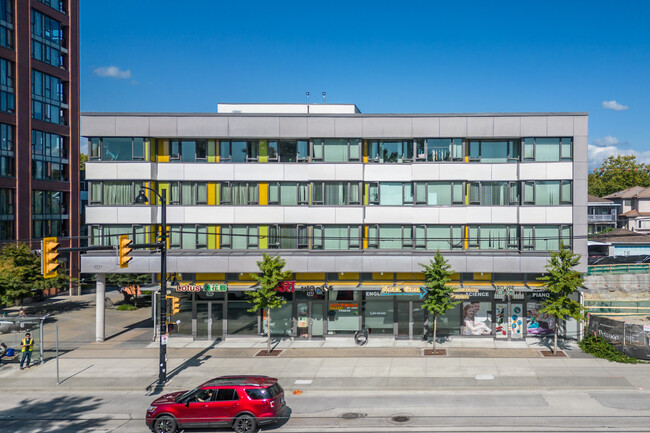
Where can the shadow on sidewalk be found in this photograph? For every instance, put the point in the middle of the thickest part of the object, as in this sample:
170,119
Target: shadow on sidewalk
195,361
48,415
142,324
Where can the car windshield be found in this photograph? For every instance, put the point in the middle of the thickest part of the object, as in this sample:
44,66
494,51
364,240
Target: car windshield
186,394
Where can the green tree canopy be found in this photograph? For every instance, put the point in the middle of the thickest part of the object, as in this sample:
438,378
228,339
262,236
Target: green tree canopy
438,300
562,281
617,173
266,296
20,274
82,161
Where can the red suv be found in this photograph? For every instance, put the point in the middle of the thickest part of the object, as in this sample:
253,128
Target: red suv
240,402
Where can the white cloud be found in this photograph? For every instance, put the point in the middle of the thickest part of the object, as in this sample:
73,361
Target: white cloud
606,141
112,72
611,146
613,105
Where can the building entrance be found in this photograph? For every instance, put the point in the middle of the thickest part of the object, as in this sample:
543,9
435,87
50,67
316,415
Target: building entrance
410,320
209,321
309,319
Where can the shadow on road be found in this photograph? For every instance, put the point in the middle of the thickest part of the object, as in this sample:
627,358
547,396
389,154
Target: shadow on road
60,414
142,324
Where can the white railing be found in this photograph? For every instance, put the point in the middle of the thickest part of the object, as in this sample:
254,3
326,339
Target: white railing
601,218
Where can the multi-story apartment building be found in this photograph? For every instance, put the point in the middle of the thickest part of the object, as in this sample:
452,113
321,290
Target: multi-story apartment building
635,208
39,121
602,214
353,202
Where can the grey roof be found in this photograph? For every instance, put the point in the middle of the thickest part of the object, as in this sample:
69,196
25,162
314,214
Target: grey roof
594,199
622,236
633,192
336,115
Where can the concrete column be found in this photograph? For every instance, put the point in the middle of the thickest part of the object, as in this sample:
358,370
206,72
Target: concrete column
100,322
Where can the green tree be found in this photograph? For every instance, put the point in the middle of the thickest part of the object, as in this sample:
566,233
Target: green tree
438,300
20,274
266,297
617,173
562,281
82,161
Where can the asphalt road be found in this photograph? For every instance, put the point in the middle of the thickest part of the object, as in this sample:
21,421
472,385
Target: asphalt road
475,411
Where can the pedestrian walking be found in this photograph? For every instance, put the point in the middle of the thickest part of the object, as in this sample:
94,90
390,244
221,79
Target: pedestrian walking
27,344
21,313
3,351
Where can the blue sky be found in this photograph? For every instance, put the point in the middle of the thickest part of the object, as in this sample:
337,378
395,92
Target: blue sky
386,57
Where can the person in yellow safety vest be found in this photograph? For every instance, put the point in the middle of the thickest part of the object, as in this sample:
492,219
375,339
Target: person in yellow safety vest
27,344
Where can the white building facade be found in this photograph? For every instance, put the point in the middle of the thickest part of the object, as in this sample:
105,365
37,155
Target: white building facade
353,202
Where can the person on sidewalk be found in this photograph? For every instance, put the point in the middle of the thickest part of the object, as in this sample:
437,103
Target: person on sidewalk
27,344
3,351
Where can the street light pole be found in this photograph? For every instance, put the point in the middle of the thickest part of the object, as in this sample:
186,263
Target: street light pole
141,199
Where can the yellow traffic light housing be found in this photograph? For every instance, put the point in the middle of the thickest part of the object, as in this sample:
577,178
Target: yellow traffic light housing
176,305
49,257
124,251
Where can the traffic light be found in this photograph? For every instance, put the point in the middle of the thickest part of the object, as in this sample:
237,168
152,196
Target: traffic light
176,305
125,250
49,257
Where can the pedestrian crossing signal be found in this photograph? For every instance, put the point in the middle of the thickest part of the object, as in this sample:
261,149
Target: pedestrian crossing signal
125,250
49,257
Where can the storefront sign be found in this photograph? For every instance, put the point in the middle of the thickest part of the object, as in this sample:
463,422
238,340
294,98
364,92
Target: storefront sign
469,292
290,286
207,287
403,290
213,287
188,288
540,295
501,291
344,306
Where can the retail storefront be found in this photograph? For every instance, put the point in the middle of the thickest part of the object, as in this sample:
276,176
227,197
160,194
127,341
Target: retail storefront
322,310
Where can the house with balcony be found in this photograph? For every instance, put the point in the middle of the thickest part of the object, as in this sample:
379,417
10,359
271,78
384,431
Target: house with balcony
602,214
634,208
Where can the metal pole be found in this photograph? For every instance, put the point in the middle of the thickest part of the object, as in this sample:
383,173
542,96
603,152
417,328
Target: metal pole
57,354
162,373
40,336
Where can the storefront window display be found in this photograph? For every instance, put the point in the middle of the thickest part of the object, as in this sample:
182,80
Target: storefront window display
476,318
378,314
343,312
538,323
281,317
240,320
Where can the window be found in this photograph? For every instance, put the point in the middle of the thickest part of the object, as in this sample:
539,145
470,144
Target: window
239,151
108,235
227,395
7,161
48,156
493,237
545,237
336,193
188,150
494,151
439,149
239,193
390,151
391,193
434,237
6,203
439,193
58,5
547,149
6,24
188,237
288,193
288,151
7,90
47,40
336,237
188,193
493,193
390,237
112,193
239,237
48,98
288,237
547,193
336,150
49,213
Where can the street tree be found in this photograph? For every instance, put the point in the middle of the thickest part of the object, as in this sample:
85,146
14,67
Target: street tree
20,274
266,297
562,281
439,297
618,173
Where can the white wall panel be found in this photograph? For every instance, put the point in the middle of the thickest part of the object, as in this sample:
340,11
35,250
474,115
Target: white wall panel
133,214
348,171
425,171
504,214
135,171
452,215
101,215
175,214
204,215
301,214
532,171
504,172
259,172
388,214
101,170
559,214
532,215
304,172
422,215
258,214
171,171
204,172
559,170
388,172
349,215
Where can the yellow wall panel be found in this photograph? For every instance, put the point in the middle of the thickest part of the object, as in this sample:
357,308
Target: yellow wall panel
212,237
210,277
365,237
263,237
212,195
212,151
482,276
264,193
218,237
349,276
310,276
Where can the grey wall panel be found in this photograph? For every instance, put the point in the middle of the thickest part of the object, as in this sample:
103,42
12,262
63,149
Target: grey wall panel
253,127
207,127
480,126
387,127
98,126
560,126
294,127
320,127
507,126
534,126
348,127
452,127
295,263
347,263
580,125
245,264
580,170
426,127
480,263
163,127
580,148
506,264
533,264
387,264
132,126
322,264
458,263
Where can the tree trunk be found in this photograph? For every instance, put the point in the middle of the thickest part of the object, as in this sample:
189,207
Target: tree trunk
435,328
268,331
555,337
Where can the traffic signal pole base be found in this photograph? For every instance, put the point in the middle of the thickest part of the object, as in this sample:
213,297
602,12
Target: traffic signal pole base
100,322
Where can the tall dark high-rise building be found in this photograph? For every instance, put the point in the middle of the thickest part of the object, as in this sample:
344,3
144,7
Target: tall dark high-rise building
39,121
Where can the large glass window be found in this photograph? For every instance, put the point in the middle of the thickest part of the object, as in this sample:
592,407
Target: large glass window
7,155
7,24
7,89
239,151
47,40
6,202
439,149
548,149
58,5
336,150
545,237
49,213
48,156
239,237
336,193
493,237
188,237
288,150
112,193
439,193
494,193
343,311
289,193
488,151
288,237
548,193
117,148
336,237
433,237
239,193
390,237
48,98
378,315
389,151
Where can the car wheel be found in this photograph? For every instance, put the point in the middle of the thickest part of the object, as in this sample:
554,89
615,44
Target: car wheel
245,424
164,424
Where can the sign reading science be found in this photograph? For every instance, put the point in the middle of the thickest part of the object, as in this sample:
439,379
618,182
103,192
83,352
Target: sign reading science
469,292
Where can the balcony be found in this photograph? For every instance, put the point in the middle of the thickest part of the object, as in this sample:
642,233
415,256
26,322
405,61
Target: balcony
601,218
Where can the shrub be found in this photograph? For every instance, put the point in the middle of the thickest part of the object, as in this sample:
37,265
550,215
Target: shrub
601,348
127,307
